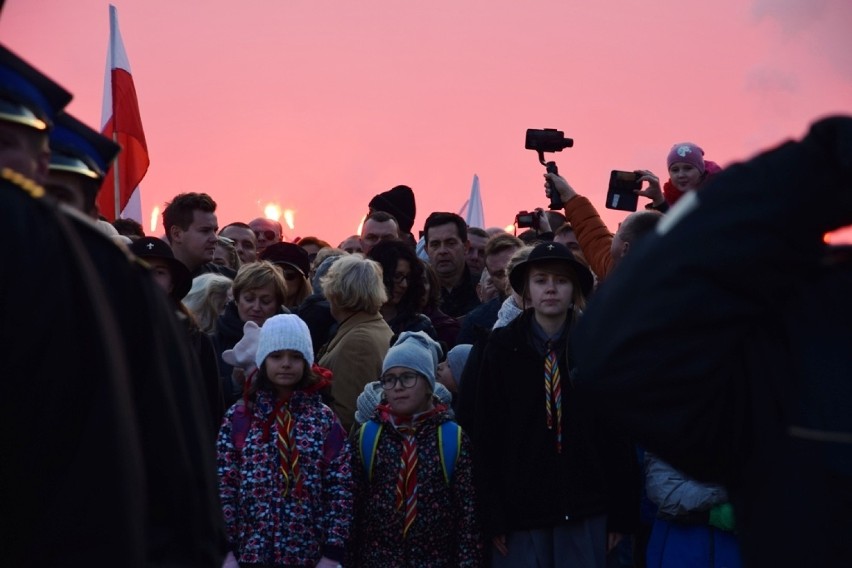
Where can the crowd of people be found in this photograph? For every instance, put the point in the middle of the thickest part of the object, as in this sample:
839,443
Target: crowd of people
565,397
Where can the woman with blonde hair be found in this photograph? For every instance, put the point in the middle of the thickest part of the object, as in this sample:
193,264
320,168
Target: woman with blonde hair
355,291
206,299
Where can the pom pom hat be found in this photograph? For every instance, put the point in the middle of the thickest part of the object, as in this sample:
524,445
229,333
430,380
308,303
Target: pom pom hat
284,331
417,351
688,153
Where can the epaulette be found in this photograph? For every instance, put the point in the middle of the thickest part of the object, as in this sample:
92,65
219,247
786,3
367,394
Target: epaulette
32,188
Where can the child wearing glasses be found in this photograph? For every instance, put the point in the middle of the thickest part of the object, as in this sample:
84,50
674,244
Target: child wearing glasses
414,498
283,460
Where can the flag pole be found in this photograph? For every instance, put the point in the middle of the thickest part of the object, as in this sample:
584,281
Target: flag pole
113,16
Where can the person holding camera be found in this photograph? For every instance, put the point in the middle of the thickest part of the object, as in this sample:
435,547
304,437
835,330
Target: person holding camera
601,248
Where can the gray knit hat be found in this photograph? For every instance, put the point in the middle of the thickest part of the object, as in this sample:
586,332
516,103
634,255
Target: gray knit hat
417,351
284,331
457,358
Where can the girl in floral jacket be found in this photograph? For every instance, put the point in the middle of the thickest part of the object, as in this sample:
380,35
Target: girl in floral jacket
284,461
414,490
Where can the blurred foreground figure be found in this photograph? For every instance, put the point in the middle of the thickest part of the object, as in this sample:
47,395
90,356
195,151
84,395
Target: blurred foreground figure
721,343
105,461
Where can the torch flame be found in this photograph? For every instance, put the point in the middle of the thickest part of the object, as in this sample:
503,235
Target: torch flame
272,211
289,216
155,215
360,225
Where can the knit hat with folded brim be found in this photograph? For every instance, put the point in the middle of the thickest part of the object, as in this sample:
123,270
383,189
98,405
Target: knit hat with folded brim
284,331
417,351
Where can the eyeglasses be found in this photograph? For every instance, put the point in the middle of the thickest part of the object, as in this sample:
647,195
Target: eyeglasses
406,380
268,235
399,277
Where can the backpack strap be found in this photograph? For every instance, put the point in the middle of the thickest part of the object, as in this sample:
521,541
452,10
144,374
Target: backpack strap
368,442
449,444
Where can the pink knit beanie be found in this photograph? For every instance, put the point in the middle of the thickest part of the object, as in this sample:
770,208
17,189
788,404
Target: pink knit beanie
686,152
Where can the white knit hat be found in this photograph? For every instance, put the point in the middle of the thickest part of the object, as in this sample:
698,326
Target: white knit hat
284,331
417,351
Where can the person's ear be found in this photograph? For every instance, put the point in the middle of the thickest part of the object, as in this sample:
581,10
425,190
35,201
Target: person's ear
175,234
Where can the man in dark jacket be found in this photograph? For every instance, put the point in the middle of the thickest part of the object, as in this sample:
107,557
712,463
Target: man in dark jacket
722,344
446,246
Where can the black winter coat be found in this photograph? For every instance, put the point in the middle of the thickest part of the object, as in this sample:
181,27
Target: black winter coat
524,483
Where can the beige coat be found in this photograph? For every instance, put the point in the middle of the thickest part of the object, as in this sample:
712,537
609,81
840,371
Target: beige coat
355,356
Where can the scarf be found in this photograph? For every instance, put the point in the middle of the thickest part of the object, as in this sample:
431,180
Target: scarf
406,484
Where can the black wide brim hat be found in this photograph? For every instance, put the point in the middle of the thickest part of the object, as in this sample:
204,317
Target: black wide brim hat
152,247
290,254
552,252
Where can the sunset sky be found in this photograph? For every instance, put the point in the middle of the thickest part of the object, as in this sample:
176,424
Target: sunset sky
319,105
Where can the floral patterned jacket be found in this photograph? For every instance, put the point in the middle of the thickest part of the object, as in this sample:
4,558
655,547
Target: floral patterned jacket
265,527
445,532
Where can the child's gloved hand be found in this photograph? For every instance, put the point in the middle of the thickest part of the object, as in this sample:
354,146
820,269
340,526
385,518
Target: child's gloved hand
722,517
242,355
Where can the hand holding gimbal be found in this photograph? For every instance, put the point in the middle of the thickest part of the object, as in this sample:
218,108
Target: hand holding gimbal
548,140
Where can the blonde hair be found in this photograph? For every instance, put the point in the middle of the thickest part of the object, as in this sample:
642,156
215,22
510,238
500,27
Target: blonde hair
257,275
354,283
202,298
304,288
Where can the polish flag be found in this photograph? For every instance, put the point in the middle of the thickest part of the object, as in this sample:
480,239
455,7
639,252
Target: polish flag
120,120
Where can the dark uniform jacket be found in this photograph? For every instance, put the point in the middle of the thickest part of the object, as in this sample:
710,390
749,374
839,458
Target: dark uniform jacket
105,450
722,344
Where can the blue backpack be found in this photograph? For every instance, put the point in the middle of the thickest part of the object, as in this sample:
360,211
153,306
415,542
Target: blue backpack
449,446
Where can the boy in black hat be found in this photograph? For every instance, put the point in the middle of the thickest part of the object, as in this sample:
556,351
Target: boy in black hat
558,488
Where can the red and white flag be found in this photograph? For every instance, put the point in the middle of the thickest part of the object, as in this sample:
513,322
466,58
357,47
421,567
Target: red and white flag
120,120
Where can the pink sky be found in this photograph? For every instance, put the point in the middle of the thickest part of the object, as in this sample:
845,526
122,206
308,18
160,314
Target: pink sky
320,105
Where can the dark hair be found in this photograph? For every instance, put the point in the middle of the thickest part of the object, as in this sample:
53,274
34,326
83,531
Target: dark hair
441,218
309,379
181,210
529,237
262,382
433,299
558,267
563,229
239,224
313,241
477,231
500,242
381,217
387,254
638,224
128,227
